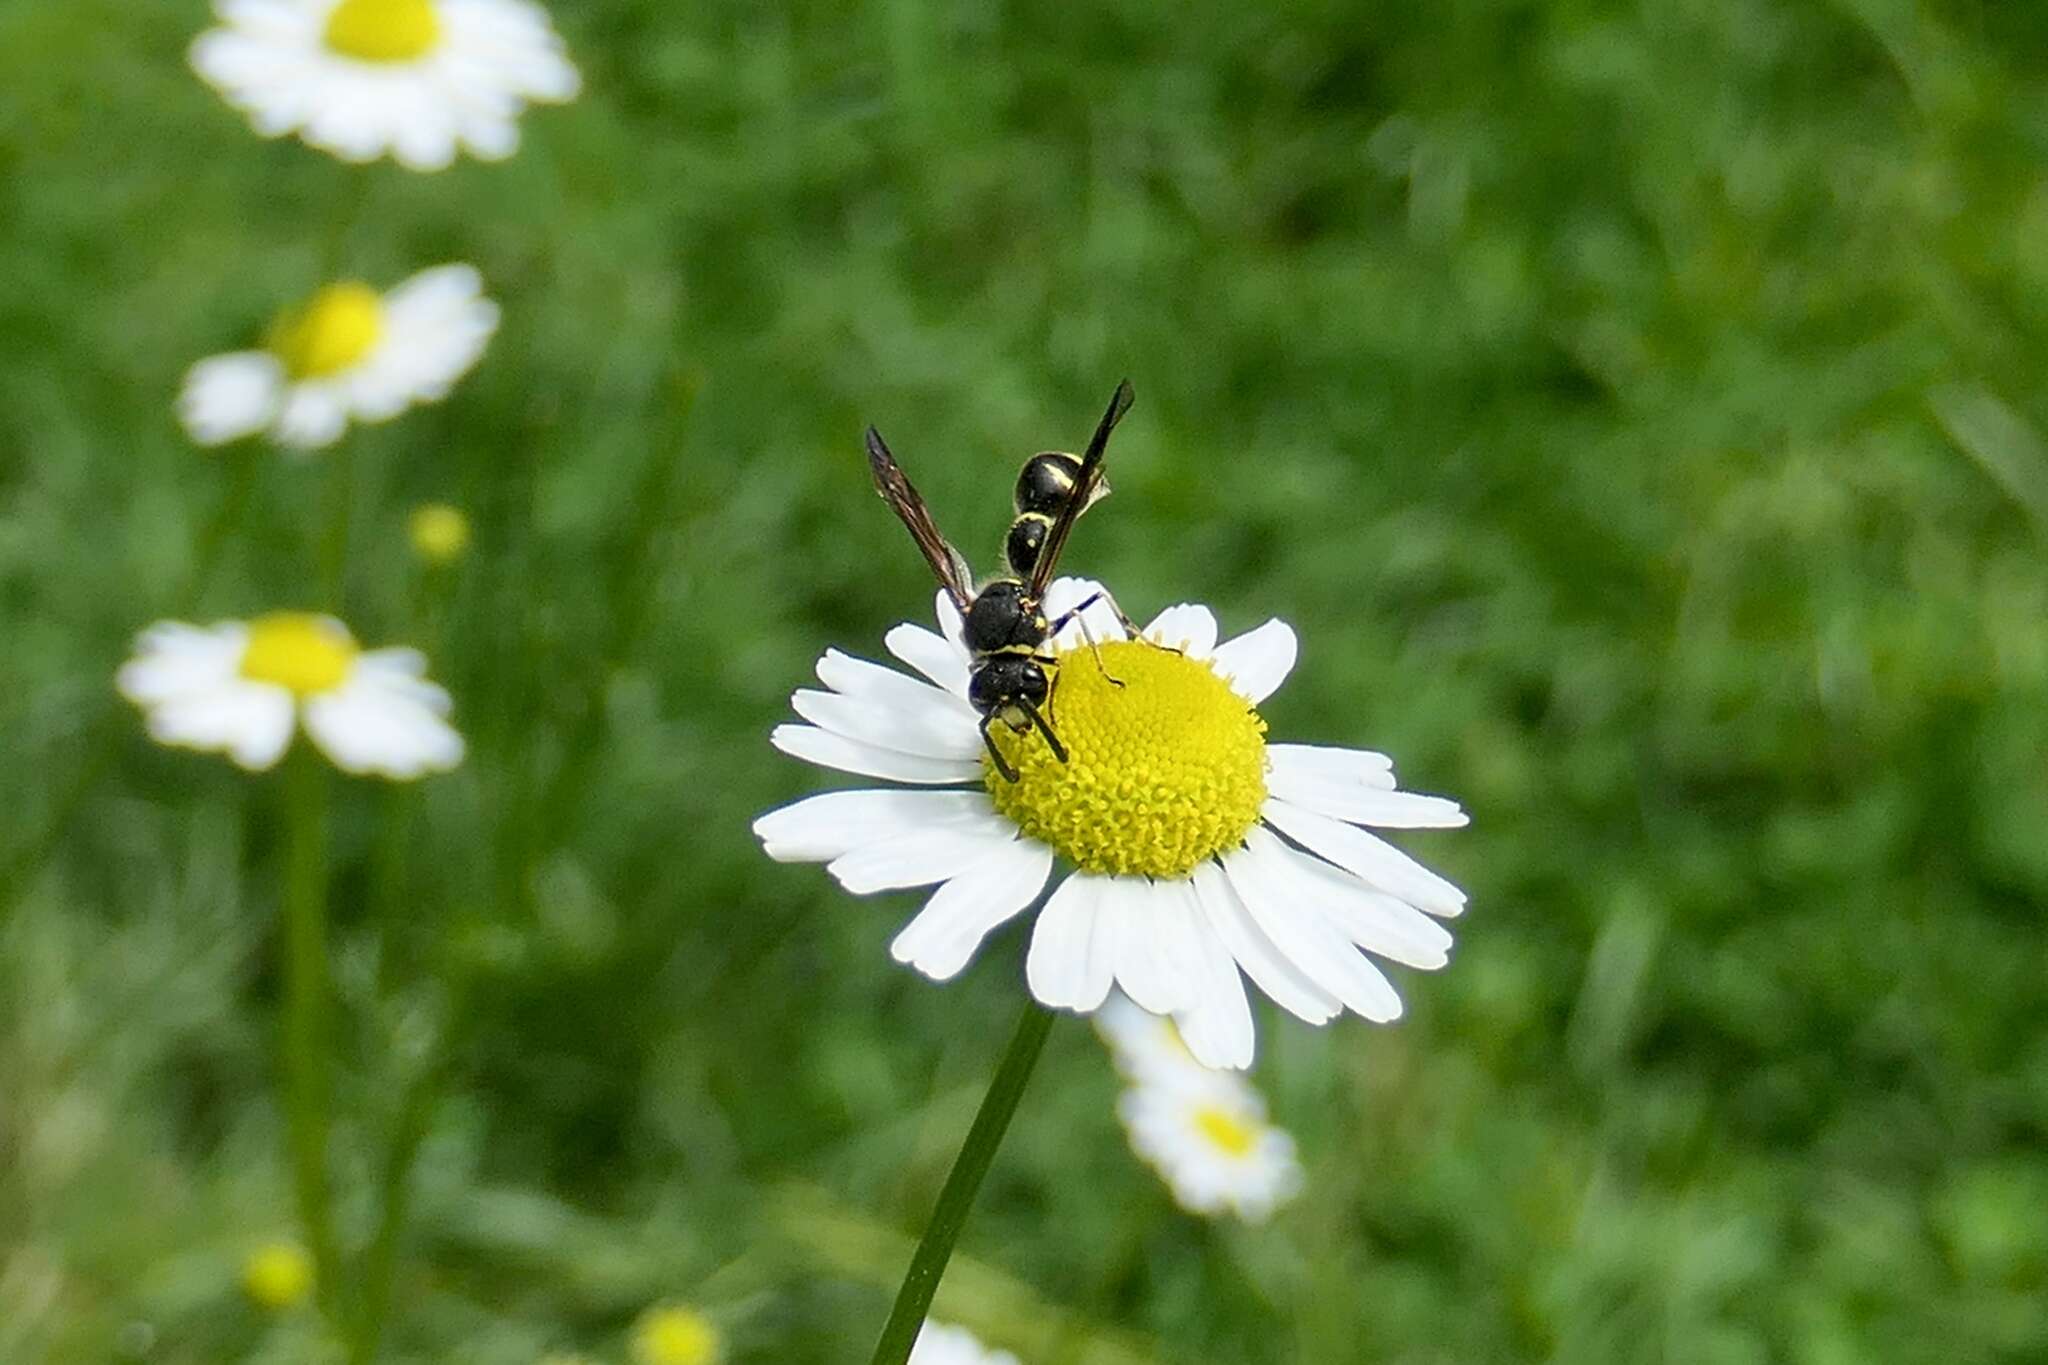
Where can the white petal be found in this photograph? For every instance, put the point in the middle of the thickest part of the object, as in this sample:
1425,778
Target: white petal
1061,970
1270,969
821,828
1368,856
928,731
1217,1027
227,397
173,659
944,936
384,721
1189,628
313,416
828,750
920,857
1373,920
1158,959
1358,804
951,624
1305,937
250,722
1257,662
1342,767
932,655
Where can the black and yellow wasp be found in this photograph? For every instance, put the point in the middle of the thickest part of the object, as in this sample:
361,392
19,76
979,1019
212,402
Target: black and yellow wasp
1006,628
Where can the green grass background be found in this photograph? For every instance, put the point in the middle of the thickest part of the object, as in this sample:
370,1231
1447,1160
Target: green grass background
1637,409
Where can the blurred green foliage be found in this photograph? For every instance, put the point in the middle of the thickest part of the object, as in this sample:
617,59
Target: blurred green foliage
1636,407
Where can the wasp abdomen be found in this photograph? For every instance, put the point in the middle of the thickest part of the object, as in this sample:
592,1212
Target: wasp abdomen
1046,480
1026,538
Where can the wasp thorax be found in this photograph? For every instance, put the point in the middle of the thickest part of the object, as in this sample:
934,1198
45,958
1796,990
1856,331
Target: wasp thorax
1000,619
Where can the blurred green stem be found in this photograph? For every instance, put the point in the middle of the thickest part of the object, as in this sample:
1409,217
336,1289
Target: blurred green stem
935,1248
394,1194
306,1081
334,535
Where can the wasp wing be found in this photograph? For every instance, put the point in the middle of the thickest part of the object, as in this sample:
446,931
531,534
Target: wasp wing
948,564
1088,482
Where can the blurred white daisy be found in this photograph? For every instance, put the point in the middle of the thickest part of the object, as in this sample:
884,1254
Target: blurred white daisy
241,688
1212,1146
939,1344
1199,849
418,79
347,352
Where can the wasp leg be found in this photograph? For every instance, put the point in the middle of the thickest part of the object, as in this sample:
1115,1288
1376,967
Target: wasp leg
996,755
1074,615
1052,741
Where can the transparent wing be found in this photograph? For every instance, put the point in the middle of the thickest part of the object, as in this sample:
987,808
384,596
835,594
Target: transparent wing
1083,492
948,564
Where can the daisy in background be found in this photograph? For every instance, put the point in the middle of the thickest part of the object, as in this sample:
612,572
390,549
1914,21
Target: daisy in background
1212,1145
414,79
1202,1129
347,352
939,1344
241,688
1200,850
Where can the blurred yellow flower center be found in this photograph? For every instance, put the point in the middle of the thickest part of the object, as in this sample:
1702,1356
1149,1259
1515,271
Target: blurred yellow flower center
675,1336
1161,773
299,651
383,30
1232,1134
332,331
439,533
278,1275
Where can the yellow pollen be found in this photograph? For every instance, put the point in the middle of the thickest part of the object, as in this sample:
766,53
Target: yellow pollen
330,332
383,30
278,1275
299,651
674,1336
1161,773
1233,1134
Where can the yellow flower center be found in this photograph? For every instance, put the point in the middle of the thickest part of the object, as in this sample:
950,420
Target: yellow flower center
383,30
1230,1133
330,332
675,1336
298,651
439,533
1161,773
278,1275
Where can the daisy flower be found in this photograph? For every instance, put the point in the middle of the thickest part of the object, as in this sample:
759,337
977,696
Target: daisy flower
241,688
418,79
1212,1146
1199,850
347,352
939,1344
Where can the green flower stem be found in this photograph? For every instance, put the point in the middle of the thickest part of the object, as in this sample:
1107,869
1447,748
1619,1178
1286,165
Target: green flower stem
306,1081
935,1248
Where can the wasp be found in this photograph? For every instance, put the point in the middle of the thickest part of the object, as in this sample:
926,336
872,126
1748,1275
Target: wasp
1005,627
